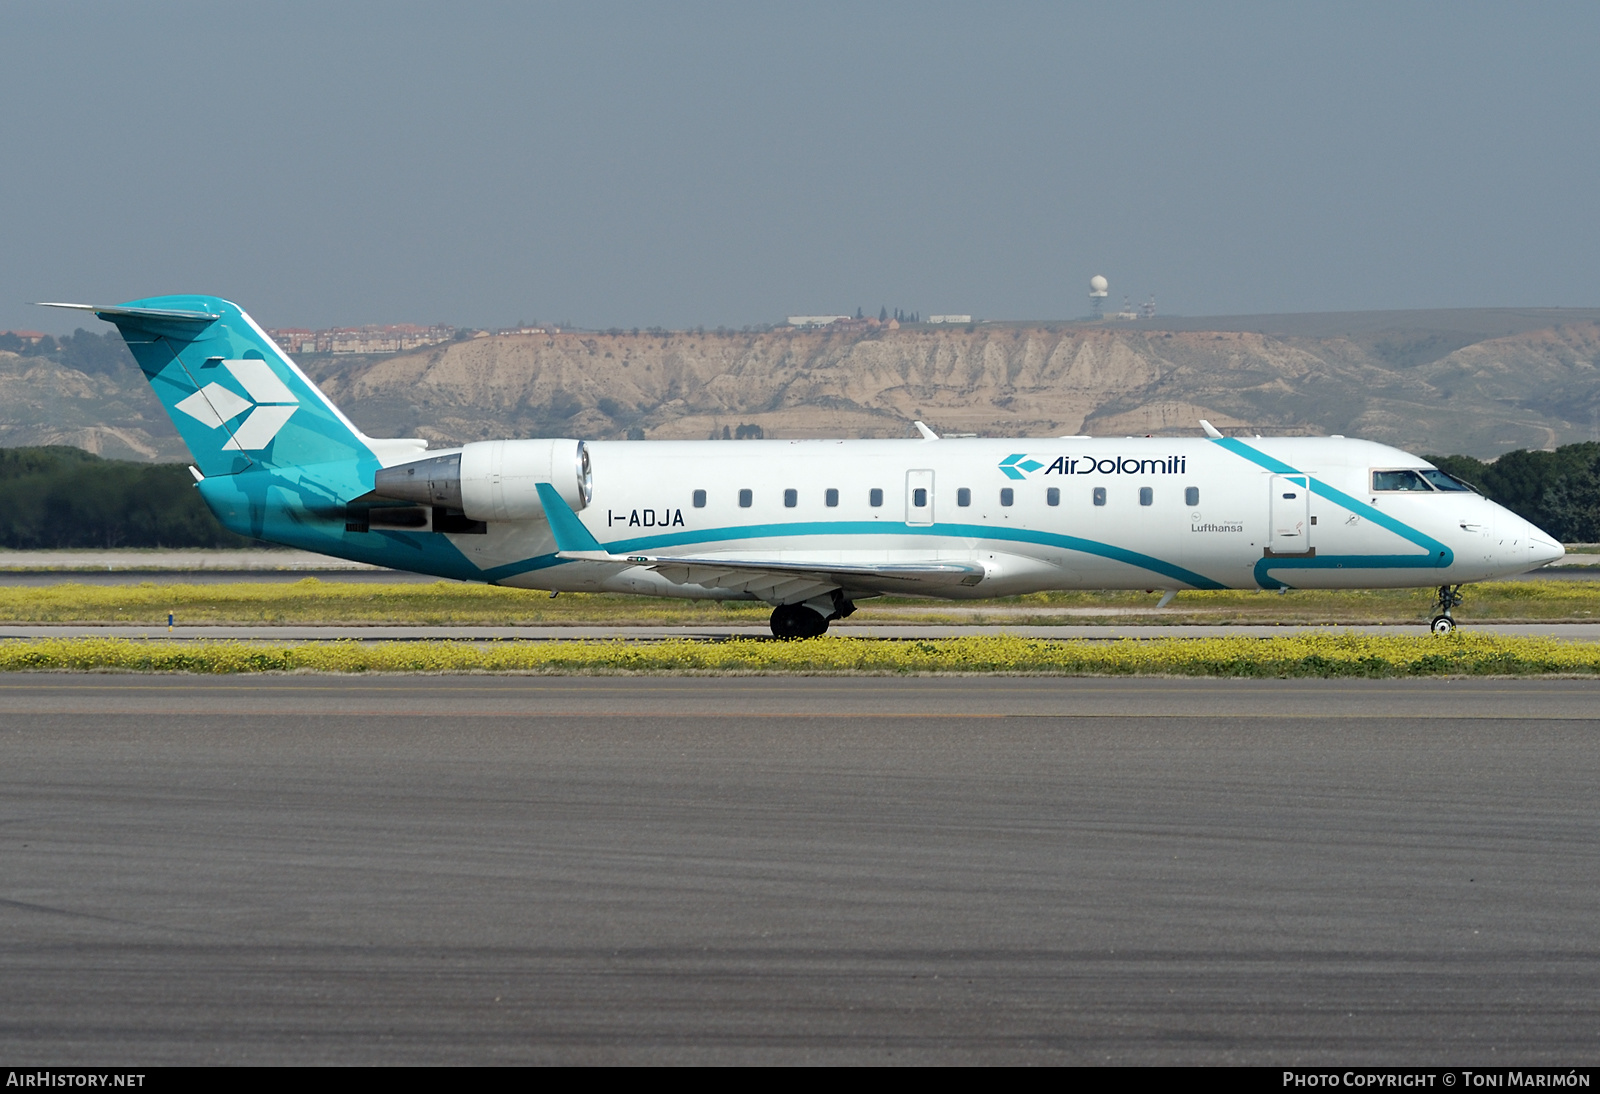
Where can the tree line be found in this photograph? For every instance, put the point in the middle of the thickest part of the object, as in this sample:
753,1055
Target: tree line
83,350
57,496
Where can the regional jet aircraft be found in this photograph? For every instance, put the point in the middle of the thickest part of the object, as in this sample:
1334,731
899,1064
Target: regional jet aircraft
809,527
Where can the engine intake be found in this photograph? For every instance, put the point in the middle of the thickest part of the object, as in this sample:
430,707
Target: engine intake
493,480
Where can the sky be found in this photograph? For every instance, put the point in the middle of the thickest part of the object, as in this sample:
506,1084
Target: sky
683,164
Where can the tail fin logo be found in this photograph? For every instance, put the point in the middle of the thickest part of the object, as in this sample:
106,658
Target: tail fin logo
271,405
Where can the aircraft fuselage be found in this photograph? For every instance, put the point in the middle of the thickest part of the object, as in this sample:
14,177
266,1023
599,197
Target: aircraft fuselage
1035,514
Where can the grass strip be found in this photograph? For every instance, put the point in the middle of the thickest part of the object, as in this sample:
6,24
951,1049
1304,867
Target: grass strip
1306,655
311,601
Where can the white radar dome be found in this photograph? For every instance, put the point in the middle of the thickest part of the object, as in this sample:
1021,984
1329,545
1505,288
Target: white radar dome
1098,284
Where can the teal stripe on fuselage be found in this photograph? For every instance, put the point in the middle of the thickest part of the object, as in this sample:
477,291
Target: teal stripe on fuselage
1439,555
879,529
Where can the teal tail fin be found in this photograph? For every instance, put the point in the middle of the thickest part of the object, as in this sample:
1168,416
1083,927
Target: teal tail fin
238,401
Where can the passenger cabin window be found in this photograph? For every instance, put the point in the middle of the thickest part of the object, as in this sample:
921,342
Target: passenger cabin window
1099,495
830,498
919,498
1146,495
1191,495
699,499
1398,480
875,497
963,497
791,498
1007,495
745,497
1052,496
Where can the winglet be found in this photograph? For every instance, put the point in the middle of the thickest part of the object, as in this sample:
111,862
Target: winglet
1211,431
569,531
927,434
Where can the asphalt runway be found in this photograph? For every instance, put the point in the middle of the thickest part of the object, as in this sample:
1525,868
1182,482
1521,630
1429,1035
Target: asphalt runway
299,869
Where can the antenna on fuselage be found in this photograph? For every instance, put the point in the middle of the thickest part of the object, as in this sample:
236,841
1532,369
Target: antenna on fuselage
1211,430
927,434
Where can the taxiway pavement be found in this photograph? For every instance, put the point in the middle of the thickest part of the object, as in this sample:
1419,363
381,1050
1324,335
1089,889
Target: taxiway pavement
492,869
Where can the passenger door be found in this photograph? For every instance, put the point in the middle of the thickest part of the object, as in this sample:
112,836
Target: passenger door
1291,515
919,497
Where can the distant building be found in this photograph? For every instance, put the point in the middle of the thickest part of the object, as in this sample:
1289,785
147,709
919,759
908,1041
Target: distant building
31,337
816,320
396,338
949,318
295,339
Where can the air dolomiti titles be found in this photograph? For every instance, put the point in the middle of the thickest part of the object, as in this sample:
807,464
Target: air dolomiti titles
1117,465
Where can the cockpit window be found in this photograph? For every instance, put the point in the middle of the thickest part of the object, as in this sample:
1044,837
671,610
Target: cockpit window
1443,480
1398,480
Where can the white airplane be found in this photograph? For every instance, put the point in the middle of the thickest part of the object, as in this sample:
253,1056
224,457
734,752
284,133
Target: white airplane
810,527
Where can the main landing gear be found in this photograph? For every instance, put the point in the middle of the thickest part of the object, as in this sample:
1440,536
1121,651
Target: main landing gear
1448,600
810,619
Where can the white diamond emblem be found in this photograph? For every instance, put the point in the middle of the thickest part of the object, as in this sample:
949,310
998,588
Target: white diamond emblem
213,405
271,405
260,381
259,429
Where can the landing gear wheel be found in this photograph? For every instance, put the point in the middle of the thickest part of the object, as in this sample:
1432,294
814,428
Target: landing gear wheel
1448,599
797,621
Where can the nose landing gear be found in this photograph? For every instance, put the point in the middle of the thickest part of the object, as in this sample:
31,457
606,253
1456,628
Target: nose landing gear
1448,600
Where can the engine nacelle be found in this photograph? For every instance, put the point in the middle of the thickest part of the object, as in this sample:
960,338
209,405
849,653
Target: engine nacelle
493,480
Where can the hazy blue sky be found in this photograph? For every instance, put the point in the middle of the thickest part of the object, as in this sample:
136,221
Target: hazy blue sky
683,164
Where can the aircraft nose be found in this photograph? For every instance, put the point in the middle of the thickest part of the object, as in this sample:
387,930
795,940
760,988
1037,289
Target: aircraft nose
1543,548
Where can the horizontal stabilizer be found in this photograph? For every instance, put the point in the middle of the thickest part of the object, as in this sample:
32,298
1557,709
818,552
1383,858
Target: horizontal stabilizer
170,315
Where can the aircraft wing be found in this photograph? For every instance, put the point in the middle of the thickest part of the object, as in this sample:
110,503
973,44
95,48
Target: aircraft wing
768,578
775,578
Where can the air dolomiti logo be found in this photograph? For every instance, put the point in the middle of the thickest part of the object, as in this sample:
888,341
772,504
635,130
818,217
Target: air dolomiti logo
1021,465
271,404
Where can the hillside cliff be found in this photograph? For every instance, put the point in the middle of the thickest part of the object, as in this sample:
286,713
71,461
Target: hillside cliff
1530,389
1422,387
